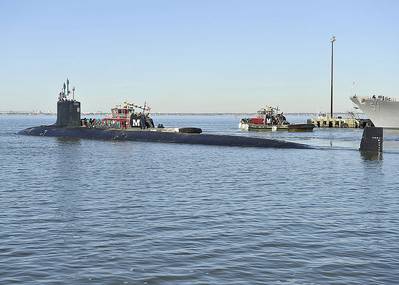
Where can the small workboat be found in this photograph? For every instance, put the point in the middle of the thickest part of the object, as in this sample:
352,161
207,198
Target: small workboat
270,119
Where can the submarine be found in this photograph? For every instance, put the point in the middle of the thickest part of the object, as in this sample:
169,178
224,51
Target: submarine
132,122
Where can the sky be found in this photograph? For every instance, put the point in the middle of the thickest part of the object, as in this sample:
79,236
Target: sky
197,56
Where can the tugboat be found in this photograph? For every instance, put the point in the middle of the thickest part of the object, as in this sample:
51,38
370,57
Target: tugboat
126,124
124,116
270,119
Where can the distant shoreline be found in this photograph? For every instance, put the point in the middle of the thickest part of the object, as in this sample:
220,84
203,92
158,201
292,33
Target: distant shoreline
154,114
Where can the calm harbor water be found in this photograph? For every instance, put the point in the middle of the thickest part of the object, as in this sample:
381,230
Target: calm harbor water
100,212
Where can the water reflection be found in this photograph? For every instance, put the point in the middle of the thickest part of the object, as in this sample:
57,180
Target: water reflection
371,155
63,140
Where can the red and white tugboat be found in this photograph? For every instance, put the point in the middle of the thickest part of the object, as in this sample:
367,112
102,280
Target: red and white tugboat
270,119
132,117
125,116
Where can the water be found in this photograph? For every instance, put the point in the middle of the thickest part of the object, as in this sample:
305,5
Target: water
100,212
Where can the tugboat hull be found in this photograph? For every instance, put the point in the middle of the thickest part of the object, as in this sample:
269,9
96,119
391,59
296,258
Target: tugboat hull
158,135
300,127
273,128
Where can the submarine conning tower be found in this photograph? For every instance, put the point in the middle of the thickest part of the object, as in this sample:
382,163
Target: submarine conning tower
68,110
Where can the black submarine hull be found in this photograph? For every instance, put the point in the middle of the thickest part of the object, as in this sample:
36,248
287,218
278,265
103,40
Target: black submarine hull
158,136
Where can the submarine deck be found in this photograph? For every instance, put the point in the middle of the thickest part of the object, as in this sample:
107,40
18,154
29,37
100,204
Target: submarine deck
167,135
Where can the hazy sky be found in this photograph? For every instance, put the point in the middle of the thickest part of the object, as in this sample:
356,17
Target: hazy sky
197,56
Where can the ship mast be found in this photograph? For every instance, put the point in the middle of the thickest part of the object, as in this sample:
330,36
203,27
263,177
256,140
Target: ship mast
63,92
67,87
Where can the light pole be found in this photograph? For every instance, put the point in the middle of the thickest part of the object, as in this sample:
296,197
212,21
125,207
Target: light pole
332,73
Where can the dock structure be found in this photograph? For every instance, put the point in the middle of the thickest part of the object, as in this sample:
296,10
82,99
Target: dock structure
329,120
339,122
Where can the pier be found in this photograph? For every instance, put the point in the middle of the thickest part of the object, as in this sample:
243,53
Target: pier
326,121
